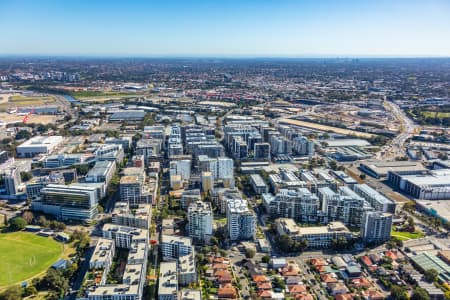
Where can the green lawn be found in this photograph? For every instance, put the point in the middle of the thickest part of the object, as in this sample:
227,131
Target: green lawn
433,114
404,236
24,255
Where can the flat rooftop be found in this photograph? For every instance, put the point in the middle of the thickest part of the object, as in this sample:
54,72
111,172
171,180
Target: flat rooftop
383,167
129,180
347,143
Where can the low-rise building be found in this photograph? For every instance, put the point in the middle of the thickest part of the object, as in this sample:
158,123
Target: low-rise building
317,236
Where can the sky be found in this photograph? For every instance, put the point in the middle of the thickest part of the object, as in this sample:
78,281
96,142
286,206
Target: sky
229,28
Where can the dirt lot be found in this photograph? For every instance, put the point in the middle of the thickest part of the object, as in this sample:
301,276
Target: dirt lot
40,119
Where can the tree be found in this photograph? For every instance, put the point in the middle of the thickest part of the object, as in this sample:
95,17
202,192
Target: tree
265,259
362,176
100,209
279,283
28,216
43,221
12,293
23,134
420,294
25,176
431,275
214,241
17,223
55,281
250,253
82,169
333,165
30,290
398,293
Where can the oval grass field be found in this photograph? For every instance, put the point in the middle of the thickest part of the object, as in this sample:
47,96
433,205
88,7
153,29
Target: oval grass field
24,255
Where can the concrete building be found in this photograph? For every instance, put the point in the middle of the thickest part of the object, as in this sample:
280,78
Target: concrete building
188,197
187,294
375,199
299,204
200,221
125,236
74,202
113,152
344,206
103,255
258,184
182,168
379,169
173,247
207,182
187,272
133,190
261,151
12,180
225,168
64,160
376,227
241,222
430,185
302,146
168,281
317,237
103,171
139,217
39,145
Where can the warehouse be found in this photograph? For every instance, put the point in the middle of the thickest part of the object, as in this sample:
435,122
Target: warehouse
38,144
127,115
380,169
431,185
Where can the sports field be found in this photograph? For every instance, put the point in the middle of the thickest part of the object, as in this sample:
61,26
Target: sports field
24,255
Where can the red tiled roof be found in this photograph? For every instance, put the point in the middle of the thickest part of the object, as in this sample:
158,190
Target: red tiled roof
296,289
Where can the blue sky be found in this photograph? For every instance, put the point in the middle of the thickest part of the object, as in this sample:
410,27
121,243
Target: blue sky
226,28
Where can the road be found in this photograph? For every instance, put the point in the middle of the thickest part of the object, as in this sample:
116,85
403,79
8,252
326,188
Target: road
407,129
82,271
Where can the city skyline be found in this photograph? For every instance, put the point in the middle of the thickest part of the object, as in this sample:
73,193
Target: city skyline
226,29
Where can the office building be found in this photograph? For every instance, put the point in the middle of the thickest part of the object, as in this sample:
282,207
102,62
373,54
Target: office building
112,152
103,171
74,202
200,221
376,227
12,180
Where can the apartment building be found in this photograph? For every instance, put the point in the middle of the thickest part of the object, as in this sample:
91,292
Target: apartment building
200,221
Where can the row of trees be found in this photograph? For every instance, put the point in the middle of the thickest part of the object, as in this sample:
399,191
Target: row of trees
287,244
27,218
